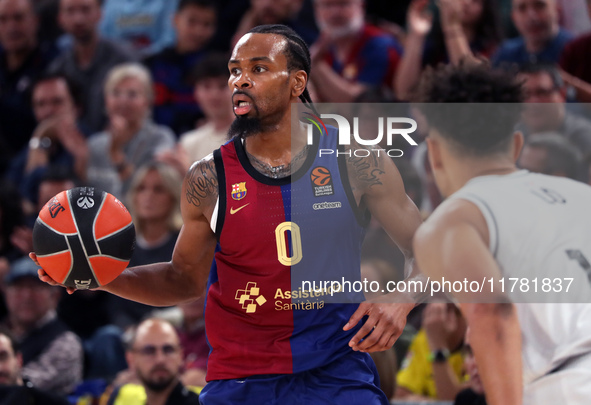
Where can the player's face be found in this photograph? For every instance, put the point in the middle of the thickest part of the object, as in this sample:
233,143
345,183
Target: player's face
259,79
535,20
156,357
153,201
18,25
214,96
52,98
28,300
9,363
80,18
128,99
194,27
339,18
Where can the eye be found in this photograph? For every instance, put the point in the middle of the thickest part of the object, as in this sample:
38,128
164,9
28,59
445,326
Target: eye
234,71
259,69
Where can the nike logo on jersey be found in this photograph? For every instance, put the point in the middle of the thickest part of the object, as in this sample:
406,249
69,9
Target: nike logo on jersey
234,211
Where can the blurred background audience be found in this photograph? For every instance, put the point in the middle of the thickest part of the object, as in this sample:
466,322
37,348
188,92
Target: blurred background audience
126,95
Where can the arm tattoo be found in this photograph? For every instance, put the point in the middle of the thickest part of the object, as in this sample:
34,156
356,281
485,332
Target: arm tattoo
366,171
202,183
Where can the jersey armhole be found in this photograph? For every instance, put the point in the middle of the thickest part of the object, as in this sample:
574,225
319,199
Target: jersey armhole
491,222
362,216
219,212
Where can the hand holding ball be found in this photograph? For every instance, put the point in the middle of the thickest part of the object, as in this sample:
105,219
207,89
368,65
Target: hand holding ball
83,238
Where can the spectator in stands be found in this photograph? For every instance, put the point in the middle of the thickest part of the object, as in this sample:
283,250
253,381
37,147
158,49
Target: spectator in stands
433,368
145,24
11,218
474,393
55,179
545,109
463,29
22,60
577,68
350,55
552,154
52,355
572,16
194,343
58,139
90,58
215,98
13,390
131,139
155,357
154,201
284,12
49,28
541,38
174,106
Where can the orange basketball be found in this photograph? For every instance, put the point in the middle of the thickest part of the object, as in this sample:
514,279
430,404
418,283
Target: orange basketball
83,237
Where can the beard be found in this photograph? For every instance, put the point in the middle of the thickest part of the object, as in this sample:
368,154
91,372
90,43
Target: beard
244,127
157,384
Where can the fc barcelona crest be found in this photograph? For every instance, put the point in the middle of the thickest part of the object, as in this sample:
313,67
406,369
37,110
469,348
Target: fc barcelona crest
239,190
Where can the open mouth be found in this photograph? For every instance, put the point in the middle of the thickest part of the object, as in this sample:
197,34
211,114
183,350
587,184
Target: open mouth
242,104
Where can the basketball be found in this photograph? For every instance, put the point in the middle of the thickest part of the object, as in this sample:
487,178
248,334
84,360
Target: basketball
83,238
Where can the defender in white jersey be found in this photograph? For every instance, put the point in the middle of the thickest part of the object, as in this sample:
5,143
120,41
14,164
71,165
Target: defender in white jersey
498,221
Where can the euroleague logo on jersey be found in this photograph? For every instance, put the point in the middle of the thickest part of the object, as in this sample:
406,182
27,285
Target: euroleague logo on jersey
321,181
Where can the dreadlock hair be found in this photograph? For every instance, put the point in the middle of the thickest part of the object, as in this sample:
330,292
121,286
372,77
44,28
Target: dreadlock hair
296,52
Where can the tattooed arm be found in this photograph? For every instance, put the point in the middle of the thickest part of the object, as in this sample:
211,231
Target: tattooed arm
185,277
377,185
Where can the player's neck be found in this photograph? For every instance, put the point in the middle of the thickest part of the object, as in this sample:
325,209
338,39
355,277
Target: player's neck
276,154
462,174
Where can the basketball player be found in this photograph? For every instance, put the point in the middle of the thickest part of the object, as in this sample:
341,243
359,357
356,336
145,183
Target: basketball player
499,221
270,342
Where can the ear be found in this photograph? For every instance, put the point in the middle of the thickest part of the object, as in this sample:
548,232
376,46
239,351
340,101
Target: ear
129,359
299,80
434,149
517,145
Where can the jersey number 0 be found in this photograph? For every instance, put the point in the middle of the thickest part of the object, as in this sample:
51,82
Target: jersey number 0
287,235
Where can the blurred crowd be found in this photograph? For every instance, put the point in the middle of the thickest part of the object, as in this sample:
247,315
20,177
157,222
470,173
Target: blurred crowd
125,95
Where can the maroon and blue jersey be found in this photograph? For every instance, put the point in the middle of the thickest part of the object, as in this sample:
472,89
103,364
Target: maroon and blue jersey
274,235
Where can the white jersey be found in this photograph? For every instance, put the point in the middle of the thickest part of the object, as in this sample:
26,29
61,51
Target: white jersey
540,227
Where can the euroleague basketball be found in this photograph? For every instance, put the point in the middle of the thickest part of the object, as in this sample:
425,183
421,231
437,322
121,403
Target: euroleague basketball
83,237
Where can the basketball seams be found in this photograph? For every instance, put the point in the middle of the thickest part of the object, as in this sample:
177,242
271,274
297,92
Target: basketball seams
111,257
70,250
80,238
53,229
55,253
98,213
112,233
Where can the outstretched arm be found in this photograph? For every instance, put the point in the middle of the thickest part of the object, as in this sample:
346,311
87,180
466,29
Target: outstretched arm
184,278
377,183
453,244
